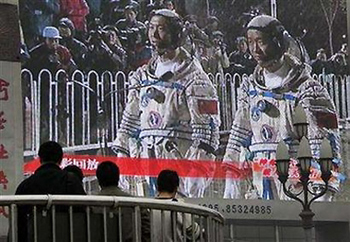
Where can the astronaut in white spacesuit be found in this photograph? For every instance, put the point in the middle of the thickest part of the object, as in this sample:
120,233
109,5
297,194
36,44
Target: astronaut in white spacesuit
172,109
267,101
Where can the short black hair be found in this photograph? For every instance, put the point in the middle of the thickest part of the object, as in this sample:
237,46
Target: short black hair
50,151
168,181
133,7
66,22
75,170
241,39
107,174
212,19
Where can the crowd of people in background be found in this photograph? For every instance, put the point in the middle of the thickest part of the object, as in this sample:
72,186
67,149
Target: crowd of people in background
82,34
336,64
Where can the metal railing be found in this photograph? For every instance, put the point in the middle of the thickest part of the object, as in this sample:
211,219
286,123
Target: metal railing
99,218
227,87
339,89
83,111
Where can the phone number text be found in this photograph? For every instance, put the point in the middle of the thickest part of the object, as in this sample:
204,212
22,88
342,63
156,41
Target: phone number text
240,209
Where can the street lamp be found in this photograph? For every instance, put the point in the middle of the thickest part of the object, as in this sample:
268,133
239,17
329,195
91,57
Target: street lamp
273,5
304,158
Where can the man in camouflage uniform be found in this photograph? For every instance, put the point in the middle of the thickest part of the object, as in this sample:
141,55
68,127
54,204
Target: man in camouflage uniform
172,108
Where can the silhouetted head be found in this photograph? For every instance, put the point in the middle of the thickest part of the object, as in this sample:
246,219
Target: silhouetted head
168,181
107,174
75,170
50,151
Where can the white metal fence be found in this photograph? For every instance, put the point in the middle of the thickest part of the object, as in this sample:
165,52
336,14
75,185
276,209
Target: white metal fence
339,89
83,111
102,218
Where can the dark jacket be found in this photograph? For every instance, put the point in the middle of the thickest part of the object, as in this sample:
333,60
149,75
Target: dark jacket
242,63
41,57
127,216
78,50
320,66
47,179
50,179
113,58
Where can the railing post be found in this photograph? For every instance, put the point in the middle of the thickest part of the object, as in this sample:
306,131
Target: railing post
53,210
209,235
88,224
13,223
71,225
137,224
35,221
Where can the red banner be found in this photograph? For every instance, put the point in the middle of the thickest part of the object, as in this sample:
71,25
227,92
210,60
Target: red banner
138,166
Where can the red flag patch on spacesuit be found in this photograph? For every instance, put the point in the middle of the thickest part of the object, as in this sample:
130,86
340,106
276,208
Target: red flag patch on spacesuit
207,106
326,120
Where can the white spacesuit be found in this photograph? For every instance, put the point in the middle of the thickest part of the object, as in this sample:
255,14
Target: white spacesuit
265,117
173,112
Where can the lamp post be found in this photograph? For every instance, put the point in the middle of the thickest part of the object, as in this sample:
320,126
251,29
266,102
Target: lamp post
348,25
304,158
273,5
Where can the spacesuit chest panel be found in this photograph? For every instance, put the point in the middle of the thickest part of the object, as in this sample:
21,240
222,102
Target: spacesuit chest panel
271,116
162,104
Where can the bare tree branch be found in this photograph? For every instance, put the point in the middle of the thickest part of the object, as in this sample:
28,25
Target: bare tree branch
324,9
330,11
335,10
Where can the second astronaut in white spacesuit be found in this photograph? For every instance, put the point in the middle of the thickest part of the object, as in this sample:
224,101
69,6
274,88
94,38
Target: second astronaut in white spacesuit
267,102
172,108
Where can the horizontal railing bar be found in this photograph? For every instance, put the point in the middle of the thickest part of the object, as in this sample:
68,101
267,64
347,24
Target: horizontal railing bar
71,148
108,201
